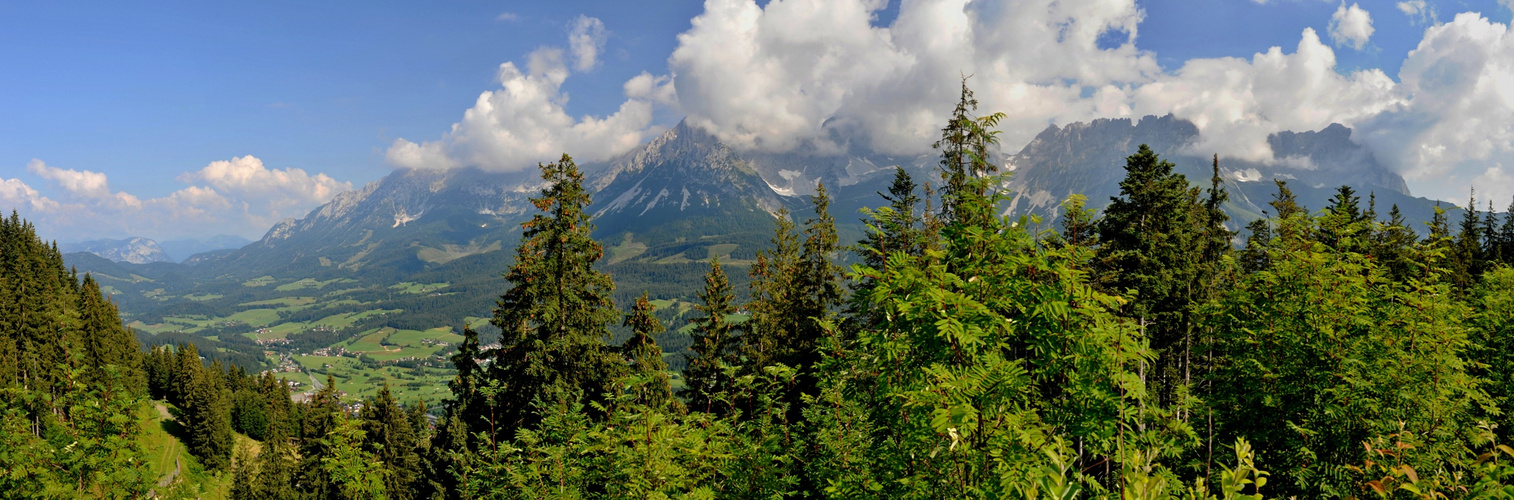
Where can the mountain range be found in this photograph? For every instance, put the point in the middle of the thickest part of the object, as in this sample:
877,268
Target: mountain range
665,208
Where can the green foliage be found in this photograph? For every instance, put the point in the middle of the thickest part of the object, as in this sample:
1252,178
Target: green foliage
1321,352
644,356
1150,250
555,317
709,375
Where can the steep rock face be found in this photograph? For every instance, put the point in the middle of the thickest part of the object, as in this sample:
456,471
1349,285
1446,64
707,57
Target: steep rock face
683,170
1089,158
408,220
134,250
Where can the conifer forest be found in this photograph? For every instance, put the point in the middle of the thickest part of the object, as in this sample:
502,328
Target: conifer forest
1146,351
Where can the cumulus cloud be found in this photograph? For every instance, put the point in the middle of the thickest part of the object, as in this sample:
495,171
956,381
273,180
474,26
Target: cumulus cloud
525,121
1459,112
246,177
827,77
507,16
814,74
239,196
83,184
586,38
1418,11
1237,103
1351,26
15,194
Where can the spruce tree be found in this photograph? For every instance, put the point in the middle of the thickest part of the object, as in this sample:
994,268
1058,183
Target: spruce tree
207,415
555,317
1147,250
390,438
964,146
1466,261
1395,246
644,356
773,303
321,418
1492,246
1506,235
708,385
895,228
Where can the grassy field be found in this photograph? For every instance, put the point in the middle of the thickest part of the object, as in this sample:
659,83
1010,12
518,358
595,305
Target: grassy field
167,456
418,288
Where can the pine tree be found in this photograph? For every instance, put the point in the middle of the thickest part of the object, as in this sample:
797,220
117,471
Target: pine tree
321,418
105,341
207,414
895,228
1395,247
773,303
1343,217
1147,250
555,318
644,356
1506,235
708,384
389,437
964,145
1466,250
1492,246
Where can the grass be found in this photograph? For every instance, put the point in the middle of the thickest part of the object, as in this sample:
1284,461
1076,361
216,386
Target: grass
722,250
165,452
418,288
628,248
202,297
256,317
259,281
449,253
310,283
283,301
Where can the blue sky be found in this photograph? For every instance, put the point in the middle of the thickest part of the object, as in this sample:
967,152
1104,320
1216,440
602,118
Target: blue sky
186,118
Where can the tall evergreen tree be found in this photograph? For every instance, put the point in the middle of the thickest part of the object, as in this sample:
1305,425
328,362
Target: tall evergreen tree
105,341
1492,245
1147,250
321,418
1506,234
773,301
555,318
644,356
707,376
389,437
1466,250
1395,244
895,228
207,414
964,146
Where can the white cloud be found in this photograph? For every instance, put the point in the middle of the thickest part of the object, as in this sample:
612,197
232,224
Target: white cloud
586,38
507,16
239,196
525,121
1418,11
811,74
826,77
1237,103
1351,26
246,178
83,184
16,195
1459,115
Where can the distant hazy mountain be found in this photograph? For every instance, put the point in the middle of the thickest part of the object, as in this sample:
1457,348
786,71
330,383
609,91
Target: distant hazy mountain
134,250
182,249
1089,159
